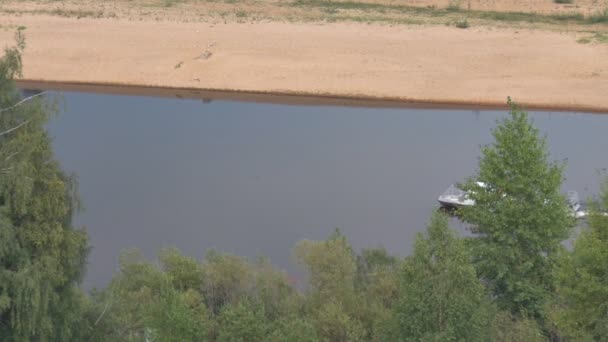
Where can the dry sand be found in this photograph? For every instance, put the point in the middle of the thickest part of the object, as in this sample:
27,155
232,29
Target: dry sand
434,64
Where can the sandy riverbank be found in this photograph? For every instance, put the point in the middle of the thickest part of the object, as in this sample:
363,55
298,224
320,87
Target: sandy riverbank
477,66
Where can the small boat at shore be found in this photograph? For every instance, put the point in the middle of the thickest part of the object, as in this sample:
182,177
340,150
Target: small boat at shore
454,198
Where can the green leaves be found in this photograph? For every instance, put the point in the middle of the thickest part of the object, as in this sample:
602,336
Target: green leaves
185,272
335,324
242,323
223,297
177,317
293,329
580,309
520,216
331,269
42,256
507,327
441,298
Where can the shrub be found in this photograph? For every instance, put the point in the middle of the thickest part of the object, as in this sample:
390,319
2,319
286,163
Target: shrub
462,23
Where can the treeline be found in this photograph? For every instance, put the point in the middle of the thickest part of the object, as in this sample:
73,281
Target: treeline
512,280
436,294
370,296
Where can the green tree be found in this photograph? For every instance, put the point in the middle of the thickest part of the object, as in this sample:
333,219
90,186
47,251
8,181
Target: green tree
506,327
124,304
331,269
581,308
441,298
293,329
145,302
331,299
520,217
376,275
336,325
185,272
377,288
242,322
176,317
272,291
228,279
42,256
169,301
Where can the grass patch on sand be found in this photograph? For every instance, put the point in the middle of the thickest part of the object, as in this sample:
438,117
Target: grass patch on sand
597,37
456,13
454,8
170,3
598,17
60,12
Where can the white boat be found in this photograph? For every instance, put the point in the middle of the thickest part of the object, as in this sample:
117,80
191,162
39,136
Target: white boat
454,198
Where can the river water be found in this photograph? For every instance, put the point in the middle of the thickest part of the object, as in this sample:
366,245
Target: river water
253,179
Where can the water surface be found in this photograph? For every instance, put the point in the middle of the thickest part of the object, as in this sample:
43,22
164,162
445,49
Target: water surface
253,179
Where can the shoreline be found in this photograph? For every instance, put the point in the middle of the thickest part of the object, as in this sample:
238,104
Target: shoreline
290,98
318,63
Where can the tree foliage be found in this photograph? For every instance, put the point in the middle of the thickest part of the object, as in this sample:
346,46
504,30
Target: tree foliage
331,269
335,324
506,327
520,217
147,302
377,288
42,256
242,323
441,298
224,298
293,329
580,310
228,298
333,300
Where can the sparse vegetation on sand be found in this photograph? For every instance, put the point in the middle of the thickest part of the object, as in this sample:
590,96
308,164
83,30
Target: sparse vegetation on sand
594,38
536,14
454,8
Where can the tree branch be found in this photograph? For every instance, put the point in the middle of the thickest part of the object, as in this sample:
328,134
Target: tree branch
21,102
11,156
102,313
15,128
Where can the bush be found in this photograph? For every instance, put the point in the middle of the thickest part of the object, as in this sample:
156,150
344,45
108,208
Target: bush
462,23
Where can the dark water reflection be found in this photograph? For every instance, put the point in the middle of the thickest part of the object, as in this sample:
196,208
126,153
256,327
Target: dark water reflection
253,179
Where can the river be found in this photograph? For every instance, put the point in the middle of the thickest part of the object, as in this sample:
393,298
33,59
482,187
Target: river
253,179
